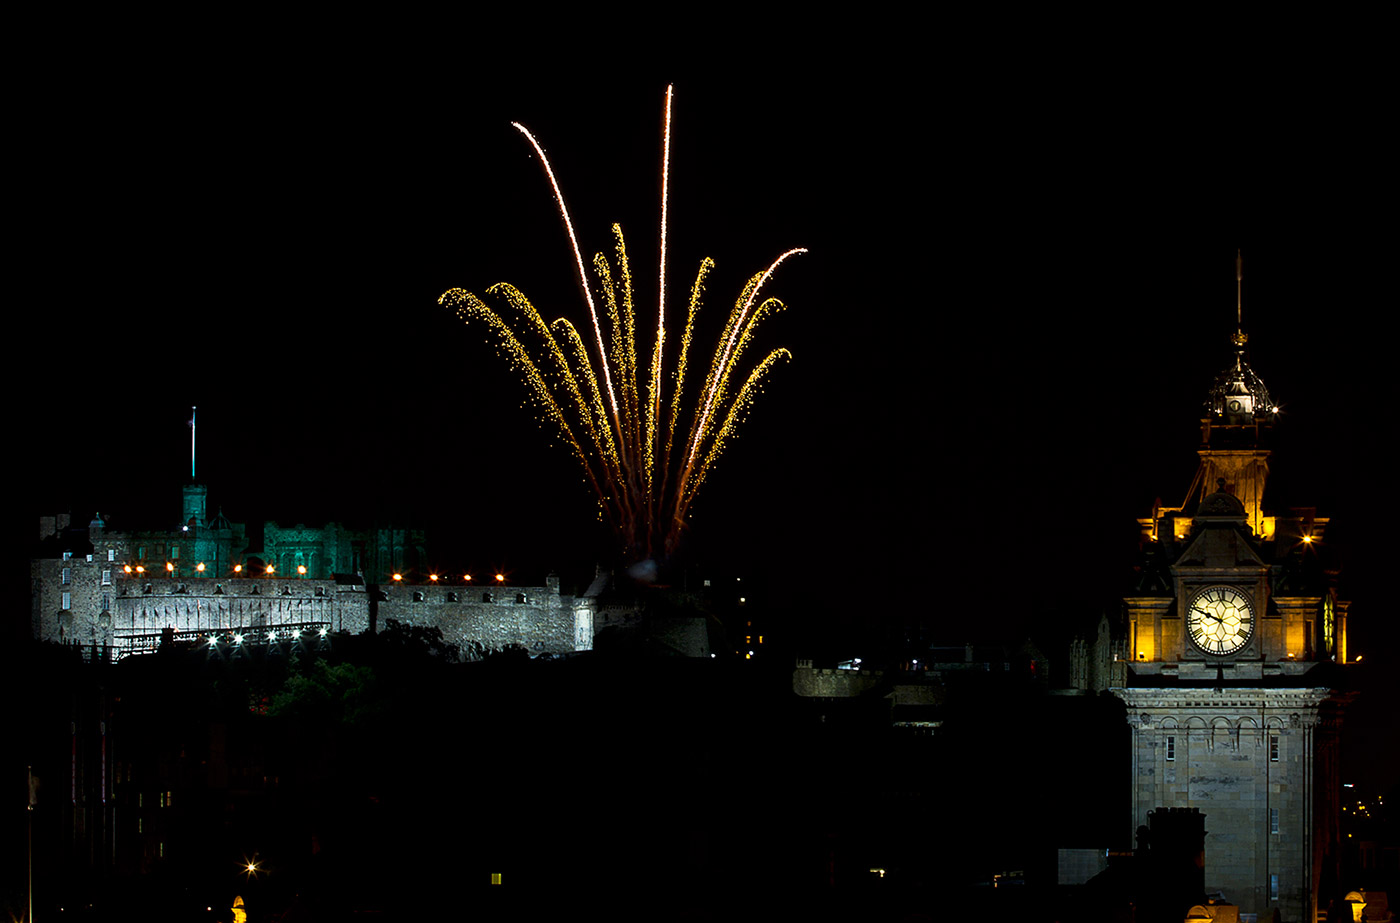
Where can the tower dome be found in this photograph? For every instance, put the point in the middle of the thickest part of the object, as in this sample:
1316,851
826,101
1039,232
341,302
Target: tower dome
1238,395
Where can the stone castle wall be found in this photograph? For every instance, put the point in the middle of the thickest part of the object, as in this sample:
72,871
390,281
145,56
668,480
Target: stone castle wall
95,604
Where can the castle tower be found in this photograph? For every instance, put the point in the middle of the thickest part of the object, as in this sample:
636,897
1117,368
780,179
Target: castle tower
194,507
1233,644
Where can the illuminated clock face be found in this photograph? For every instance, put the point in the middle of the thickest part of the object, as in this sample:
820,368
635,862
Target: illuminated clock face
1220,620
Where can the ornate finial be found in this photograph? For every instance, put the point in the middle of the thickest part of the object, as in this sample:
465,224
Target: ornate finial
1238,395
1240,338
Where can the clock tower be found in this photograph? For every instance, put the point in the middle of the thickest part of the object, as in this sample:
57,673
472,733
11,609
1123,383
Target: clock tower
1235,635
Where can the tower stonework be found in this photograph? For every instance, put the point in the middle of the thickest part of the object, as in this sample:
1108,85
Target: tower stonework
1235,638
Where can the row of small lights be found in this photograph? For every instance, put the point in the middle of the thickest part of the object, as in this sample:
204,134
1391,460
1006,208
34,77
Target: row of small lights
301,570
271,636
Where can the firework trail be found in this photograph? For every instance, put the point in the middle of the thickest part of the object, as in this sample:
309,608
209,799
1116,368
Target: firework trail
616,426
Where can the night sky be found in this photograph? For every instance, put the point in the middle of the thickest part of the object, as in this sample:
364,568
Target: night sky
1020,285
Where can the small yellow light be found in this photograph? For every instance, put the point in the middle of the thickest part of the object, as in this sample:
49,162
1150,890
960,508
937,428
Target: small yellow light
199,567
169,568
127,568
301,569
238,568
271,569
433,577
398,577
500,578
1307,539
140,569
467,578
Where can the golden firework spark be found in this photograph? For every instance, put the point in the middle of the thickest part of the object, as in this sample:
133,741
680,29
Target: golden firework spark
616,425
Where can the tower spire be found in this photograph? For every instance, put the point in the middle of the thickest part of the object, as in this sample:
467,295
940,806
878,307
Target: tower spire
1238,396
1240,337
192,429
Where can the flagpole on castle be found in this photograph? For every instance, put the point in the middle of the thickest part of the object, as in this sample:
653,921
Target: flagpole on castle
192,417
29,814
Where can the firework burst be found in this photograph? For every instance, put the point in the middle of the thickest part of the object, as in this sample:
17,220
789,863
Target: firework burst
610,401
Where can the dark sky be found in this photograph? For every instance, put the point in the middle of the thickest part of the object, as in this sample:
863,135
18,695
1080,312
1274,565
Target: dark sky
1020,284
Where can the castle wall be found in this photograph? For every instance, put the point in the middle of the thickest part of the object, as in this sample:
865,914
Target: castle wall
537,618
835,684
107,608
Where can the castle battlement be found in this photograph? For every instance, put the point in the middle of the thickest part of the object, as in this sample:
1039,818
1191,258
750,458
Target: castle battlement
117,591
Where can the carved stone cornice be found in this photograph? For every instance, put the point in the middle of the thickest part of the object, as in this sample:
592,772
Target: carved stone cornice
1208,701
